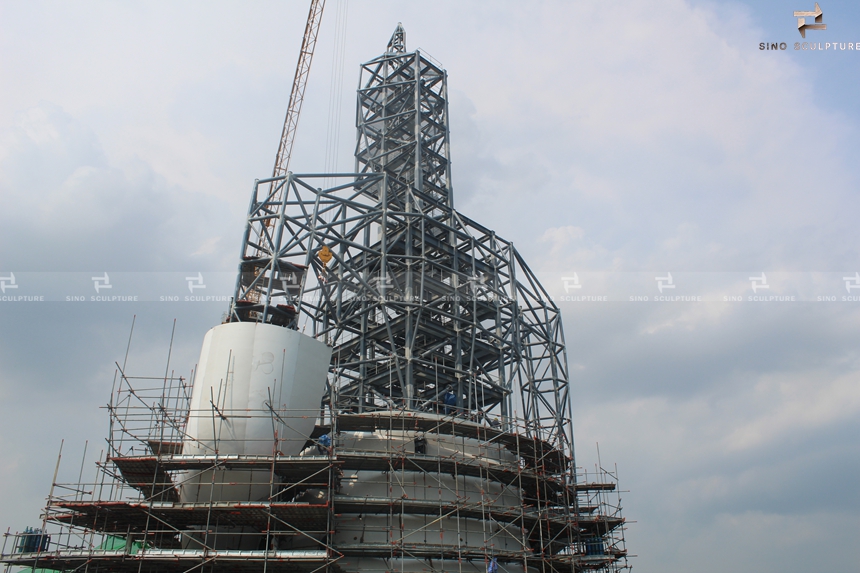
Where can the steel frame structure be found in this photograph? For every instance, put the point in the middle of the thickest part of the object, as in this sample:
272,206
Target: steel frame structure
419,303
417,297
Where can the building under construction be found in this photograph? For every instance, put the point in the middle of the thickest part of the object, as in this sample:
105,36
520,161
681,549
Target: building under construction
388,391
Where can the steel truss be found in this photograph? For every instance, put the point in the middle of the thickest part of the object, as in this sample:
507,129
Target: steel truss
416,297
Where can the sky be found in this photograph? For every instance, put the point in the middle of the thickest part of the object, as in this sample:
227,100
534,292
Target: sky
702,192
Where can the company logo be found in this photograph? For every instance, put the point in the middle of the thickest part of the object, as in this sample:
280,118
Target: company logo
804,23
571,282
478,284
802,26
290,282
101,282
759,282
664,282
192,280
848,280
10,284
381,283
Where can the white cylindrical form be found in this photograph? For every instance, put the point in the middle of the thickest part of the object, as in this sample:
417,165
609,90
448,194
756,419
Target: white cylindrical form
257,391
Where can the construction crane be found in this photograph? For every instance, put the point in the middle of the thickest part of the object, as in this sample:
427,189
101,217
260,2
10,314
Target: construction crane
263,229
297,95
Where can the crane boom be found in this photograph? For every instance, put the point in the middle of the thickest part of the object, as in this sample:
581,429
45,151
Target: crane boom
297,95
261,231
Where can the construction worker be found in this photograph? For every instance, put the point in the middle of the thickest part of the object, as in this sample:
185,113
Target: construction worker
449,399
420,444
324,444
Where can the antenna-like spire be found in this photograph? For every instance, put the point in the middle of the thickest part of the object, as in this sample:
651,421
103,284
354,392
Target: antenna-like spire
397,43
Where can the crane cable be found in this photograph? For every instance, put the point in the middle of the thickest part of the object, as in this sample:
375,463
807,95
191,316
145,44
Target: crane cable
335,102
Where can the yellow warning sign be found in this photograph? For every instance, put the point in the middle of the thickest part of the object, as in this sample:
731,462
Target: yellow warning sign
325,254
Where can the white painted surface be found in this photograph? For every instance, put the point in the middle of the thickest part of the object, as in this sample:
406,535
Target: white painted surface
241,365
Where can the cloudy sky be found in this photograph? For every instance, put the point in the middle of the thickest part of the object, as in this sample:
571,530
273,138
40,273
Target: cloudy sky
620,141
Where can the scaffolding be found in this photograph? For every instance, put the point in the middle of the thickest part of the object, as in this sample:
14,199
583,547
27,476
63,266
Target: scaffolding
443,441
438,492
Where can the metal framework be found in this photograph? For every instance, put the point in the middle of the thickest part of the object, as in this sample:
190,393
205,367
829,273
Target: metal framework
483,498
416,297
294,110
444,441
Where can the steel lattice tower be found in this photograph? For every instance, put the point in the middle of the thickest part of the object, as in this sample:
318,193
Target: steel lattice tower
416,297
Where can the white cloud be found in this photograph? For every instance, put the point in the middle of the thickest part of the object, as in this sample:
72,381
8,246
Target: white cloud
69,199
646,121
788,403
